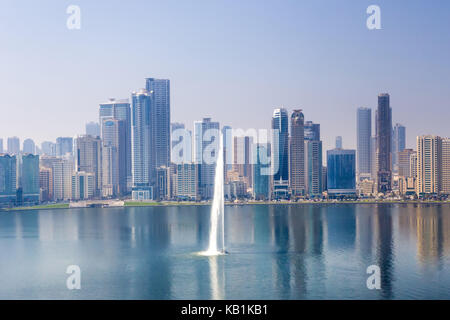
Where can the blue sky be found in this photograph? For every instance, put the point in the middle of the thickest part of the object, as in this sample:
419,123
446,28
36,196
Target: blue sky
232,60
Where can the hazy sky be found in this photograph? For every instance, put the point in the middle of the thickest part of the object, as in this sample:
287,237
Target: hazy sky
232,60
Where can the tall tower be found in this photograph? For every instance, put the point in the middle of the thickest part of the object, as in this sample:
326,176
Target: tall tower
446,166
88,158
143,163
429,164
297,150
160,91
206,142
120,110
398,143
114,166
384,132
363,137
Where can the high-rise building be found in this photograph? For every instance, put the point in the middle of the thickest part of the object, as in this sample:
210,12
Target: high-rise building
338,142
48,148
312,131
384,132
30,178
83,185
13,145
280,153
227,133
261,171
187,186
297,154
313,159
413,165
114,158
93,129
62,170
64,145
242,151
46,183
341,173
1,145
206,142
88,158
445,188
373,160
364,142
313,167
398,143
144,169
160,91
29,146
429,164
404,162
120,110
8,180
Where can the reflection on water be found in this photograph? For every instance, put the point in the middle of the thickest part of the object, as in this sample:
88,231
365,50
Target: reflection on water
276,252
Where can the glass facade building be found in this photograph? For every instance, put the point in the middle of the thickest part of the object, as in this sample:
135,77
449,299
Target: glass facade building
8,179
30,179
341,172
142,155
261,171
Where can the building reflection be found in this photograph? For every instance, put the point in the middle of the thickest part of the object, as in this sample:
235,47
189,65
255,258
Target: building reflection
385,249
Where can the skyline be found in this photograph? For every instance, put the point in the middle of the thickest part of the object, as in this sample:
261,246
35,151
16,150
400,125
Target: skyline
264,68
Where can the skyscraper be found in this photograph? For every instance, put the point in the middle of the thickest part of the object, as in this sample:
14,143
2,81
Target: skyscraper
404,162
8,180
227,150
120,110
64,145
363,144
445,188
30,178
88,158
206,142
187,186
29,146
280,152
62,170
93,129
313,159
297,154
312,131
142,146
261,171
313,167
399,143
384,131
341,173
114,158
13,145
429,164
160,91
243,158
1,145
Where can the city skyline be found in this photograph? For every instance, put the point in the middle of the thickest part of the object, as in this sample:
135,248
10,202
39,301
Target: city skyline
303,61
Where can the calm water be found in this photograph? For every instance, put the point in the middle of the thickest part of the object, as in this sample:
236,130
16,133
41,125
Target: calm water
276,252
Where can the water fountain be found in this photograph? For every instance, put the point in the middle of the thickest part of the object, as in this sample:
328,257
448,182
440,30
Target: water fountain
216,245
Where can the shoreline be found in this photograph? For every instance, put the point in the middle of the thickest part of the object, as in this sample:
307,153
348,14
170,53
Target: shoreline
132,204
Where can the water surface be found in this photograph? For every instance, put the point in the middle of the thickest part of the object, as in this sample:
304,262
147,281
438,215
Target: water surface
311,251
